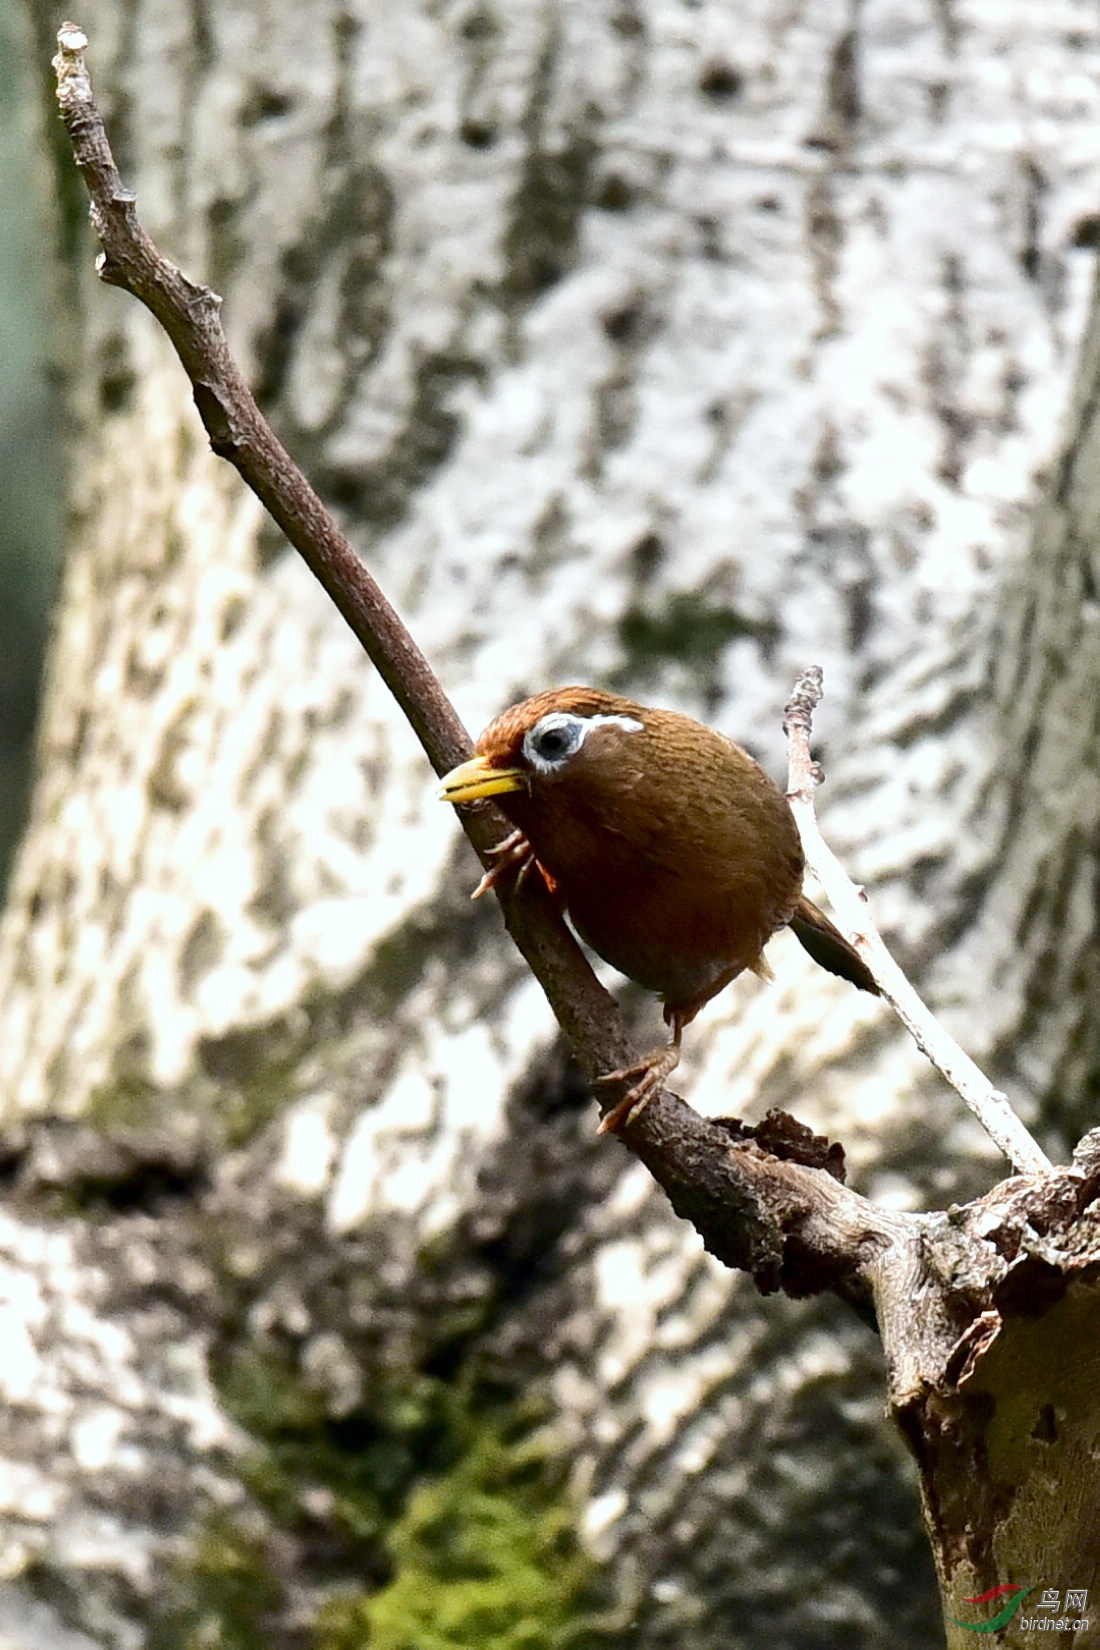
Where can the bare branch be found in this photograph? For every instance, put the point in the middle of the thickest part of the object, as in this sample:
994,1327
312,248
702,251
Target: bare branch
238,431
988,1104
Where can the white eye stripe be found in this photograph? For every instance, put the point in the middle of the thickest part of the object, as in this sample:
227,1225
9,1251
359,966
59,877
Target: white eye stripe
629,723
560,734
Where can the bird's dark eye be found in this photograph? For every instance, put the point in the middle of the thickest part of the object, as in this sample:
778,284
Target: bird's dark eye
553,740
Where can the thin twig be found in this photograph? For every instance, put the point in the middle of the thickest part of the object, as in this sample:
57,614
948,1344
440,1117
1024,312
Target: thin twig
849,902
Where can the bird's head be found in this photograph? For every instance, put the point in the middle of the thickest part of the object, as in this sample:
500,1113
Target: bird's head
564,737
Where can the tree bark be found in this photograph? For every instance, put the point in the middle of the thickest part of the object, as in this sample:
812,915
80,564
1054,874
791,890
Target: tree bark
665,349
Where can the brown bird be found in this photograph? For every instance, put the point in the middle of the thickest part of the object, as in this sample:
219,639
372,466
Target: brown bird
675,855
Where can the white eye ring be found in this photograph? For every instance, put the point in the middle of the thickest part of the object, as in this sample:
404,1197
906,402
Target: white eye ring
560,734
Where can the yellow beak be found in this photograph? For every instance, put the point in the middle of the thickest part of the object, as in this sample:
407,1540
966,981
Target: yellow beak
477,778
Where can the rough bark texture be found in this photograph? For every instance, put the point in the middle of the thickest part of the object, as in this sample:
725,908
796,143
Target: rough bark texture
665,346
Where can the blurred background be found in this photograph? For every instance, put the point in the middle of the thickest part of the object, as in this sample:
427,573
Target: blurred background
30,451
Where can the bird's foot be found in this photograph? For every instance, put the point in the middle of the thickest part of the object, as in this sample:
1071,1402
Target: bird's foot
515,850
649,1073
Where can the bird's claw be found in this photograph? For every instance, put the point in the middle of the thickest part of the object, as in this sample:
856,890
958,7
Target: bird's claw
514,850
650,1072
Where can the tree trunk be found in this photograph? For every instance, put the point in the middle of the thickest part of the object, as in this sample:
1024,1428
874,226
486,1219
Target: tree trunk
656,346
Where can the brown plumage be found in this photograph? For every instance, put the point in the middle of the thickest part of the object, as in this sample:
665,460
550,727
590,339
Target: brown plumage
675,855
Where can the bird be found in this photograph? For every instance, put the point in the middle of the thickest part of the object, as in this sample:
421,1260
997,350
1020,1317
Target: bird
674,854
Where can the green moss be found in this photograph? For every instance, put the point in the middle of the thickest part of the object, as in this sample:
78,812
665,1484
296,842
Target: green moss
483,1556
486,1557
448,1488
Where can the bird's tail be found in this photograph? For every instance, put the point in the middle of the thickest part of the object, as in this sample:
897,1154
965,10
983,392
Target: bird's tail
828,947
